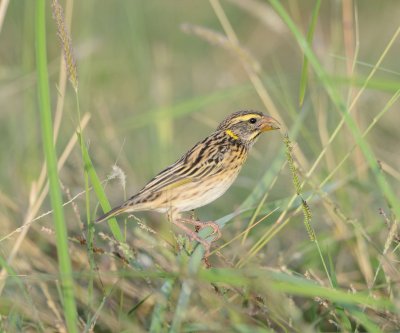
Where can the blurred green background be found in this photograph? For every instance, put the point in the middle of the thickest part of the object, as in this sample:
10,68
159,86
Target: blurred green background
153,91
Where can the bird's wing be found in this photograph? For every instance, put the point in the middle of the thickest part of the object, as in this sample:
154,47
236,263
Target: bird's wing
203,160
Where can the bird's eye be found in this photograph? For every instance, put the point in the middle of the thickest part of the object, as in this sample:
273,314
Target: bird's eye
252,120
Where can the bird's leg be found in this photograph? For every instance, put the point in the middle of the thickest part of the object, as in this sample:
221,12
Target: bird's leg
200,225
193,236
194,218
171,215
193,215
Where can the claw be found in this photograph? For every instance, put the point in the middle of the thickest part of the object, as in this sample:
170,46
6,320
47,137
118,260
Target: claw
201,225
198,226
214,227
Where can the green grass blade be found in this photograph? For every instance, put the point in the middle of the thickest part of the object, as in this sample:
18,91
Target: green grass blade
98,189
304,70
295,285
159,312
365,321
65,268
138,305
187,287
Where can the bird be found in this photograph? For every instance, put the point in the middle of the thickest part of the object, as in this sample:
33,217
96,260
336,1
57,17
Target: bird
201,175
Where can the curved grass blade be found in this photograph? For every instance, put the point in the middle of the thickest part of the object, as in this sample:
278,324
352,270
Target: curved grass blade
98,189
304,69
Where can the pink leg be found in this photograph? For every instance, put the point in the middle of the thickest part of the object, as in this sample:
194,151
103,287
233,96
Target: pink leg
200,225
194,236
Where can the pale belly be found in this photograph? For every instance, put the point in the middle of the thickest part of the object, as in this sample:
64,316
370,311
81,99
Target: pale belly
195,195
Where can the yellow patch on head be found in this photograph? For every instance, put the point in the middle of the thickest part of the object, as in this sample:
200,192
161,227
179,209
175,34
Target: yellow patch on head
248,116
231,134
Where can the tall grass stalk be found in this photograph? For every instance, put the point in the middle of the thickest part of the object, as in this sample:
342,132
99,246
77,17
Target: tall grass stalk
70,69
304,69
3,10
65,268
99,191
254,78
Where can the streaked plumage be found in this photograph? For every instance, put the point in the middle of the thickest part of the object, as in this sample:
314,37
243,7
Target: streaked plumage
204,173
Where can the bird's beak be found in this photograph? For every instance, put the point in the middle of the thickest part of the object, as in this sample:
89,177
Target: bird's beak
268,123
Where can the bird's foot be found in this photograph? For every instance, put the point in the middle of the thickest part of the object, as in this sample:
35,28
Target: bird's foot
214,227
193,235
198,225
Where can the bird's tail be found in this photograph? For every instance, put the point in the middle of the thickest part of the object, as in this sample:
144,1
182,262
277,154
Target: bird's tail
113,212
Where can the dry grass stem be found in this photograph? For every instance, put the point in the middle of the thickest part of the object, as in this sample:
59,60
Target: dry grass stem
218,39
66,43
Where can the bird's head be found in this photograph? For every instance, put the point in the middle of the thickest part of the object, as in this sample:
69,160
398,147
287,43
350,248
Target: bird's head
246,126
